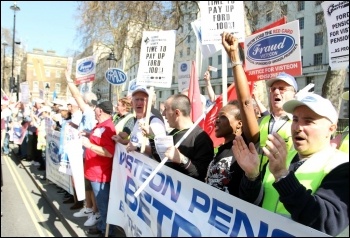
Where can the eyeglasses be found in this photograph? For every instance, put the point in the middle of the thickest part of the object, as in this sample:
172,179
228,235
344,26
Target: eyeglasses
281,89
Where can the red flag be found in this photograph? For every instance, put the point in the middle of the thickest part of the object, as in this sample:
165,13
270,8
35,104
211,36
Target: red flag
209,120
194,94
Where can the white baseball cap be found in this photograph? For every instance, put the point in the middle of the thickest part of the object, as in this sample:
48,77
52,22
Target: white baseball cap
321,106
286,78
345,95
39,100
140,88
72,102
4,102
44,109
58,101
63,107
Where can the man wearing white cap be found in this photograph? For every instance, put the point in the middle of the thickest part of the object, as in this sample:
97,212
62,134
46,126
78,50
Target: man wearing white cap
282,88
309,184
140,103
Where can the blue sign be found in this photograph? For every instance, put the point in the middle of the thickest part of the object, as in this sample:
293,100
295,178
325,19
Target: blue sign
86,67
271,47
115,76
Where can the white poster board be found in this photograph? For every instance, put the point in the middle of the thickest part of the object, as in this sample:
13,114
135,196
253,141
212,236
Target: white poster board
156,58
220,16
336,14
183,75
273,51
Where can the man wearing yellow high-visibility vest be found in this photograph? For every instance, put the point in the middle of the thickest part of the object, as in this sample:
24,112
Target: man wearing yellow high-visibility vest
309,185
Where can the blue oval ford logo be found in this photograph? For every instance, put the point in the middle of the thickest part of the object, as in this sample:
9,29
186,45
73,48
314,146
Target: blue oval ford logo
183,67
115,76
270,47
53,152
86,67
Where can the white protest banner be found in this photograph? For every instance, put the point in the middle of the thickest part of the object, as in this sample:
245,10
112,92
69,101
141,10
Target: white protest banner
53,162
208,49
183,75
156,58
176,205
336,14
85,70
41,94
68,135
75,154
25,92
273,51
220,16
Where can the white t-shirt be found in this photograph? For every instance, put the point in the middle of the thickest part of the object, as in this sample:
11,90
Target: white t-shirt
156,125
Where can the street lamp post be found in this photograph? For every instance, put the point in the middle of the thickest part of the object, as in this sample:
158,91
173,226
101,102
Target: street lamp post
3,65
110,57
15,8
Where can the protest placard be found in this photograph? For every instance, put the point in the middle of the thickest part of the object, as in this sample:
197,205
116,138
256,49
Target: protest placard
273,51
336,14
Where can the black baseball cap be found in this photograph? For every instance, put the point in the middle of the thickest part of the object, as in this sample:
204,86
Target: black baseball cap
106,106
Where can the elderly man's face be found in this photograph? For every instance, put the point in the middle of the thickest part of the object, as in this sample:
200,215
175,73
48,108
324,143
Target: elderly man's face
139,103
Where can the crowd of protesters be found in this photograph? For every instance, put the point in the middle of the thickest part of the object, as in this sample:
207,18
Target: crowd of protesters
267,158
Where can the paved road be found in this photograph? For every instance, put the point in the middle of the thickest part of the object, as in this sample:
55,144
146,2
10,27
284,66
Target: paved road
31,207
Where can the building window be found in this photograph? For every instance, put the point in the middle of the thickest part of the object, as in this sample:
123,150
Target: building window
301,23
35,86
181,53
302,42
319,18
172,92
58,62
47,73
189,27
229,72
219,59
284,9
210,61
160,94
255,5
302,61
318,38
310,79
188,50
58,74
219,73
188,39
268,16
57,87
318,59
173,79
301,5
